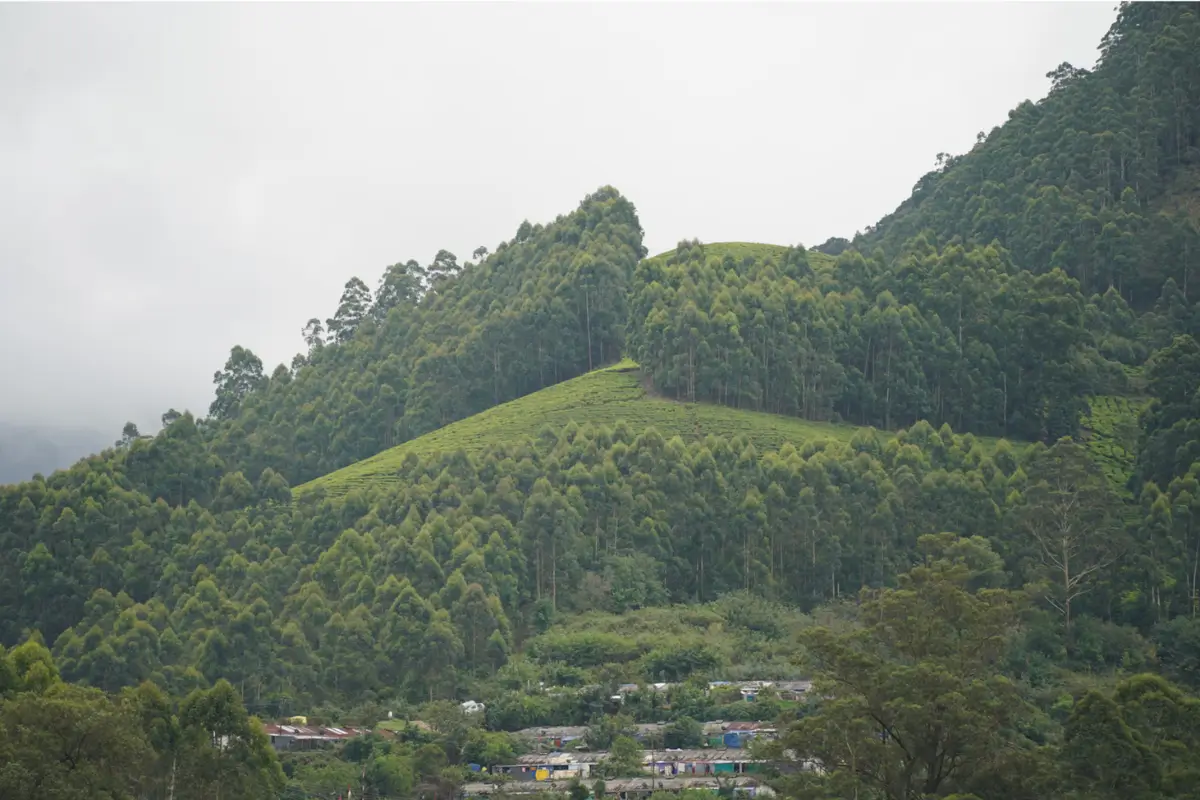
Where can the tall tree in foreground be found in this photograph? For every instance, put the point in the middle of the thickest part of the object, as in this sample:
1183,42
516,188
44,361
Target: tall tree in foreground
914,704
224,753
69,742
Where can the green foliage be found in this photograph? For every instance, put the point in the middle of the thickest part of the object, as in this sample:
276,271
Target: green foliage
603,732
60,741
1178,644
913,703
684,732
1171,423
938,337
1070,512
583,649
634,582
243,374
1139,743
422,587
678,663
516,522
69,742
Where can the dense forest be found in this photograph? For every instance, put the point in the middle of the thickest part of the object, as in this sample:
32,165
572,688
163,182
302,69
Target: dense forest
1098,179
970,549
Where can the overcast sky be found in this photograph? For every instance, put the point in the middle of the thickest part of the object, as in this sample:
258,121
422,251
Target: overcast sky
178,179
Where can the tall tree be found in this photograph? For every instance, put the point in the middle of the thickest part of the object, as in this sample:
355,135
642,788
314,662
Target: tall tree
243,374
914,704
314,335
351,311
400,287
443,268
1071,514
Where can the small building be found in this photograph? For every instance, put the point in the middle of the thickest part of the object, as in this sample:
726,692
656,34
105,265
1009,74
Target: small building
303,737
793,690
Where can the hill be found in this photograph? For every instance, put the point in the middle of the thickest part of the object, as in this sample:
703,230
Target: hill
608,396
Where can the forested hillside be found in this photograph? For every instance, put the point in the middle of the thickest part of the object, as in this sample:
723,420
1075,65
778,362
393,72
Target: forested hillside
947,469
1098,179
957,336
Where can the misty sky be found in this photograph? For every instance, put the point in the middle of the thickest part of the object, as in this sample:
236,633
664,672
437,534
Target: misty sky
178,179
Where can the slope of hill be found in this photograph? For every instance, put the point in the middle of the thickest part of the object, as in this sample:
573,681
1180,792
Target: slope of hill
1094,177
605,397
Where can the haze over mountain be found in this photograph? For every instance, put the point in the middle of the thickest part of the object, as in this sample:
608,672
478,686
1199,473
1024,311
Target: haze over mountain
28,449
171,186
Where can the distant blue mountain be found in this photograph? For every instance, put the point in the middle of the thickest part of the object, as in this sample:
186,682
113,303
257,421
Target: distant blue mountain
29,449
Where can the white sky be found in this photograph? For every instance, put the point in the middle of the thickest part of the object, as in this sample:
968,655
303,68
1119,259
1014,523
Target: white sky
178,179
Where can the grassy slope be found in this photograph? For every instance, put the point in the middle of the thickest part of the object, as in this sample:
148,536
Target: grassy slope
603,397
739,250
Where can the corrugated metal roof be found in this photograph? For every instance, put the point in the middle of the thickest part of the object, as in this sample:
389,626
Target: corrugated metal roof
314,732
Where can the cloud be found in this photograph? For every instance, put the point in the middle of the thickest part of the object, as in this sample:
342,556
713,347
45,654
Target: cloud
180,178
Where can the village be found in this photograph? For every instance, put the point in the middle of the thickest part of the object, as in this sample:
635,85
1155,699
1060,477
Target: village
554,758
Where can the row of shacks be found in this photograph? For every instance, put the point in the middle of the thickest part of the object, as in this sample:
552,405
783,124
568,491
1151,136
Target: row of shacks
719,734
537,767
626,788
724,735
749,690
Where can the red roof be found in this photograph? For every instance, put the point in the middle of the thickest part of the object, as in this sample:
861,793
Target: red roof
744,726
